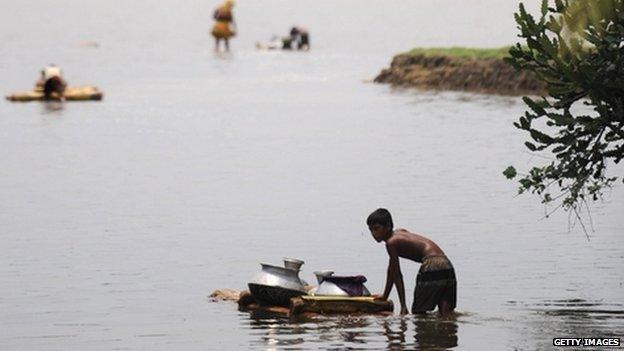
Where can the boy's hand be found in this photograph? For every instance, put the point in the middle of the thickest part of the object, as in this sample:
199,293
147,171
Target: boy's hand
377,297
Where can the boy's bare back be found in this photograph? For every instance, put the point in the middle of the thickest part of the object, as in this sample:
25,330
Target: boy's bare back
412,246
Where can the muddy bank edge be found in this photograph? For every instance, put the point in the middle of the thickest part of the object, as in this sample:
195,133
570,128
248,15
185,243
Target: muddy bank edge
435,70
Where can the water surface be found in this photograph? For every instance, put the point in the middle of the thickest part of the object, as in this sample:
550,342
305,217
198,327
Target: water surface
119,217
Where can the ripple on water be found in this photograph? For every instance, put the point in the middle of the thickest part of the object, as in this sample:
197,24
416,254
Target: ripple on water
575,317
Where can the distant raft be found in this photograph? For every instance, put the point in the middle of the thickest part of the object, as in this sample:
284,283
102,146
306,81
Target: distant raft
71,94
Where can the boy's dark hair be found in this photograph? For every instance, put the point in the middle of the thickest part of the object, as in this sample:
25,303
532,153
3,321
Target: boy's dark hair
380,216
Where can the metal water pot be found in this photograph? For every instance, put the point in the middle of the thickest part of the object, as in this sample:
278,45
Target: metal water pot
321,275
328,288
275,285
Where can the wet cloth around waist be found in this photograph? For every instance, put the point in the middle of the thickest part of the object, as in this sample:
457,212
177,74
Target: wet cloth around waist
436,268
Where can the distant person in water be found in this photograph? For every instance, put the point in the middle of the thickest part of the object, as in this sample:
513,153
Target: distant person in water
225,26
301,37
51,82
297,39
436,284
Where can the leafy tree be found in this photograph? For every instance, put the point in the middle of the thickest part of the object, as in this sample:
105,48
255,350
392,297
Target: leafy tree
577,49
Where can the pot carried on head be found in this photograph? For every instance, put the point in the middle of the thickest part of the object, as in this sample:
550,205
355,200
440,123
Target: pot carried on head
275,285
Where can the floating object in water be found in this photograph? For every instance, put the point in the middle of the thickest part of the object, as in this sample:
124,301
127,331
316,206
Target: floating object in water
225,295
314,305
71,94
338,305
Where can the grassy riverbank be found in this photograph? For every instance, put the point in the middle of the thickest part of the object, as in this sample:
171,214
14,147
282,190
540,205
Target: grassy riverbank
462,52
480,70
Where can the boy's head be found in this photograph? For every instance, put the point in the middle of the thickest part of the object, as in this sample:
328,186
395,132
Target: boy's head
380,224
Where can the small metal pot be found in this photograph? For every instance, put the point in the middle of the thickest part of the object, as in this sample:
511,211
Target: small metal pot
293,263
321,275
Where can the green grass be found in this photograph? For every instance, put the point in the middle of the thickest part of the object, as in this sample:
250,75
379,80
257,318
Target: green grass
462,52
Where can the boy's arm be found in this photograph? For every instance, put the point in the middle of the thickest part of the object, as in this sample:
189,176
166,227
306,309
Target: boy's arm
389,281
395,277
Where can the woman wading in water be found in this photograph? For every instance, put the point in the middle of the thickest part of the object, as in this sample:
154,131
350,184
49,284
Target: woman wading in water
224,27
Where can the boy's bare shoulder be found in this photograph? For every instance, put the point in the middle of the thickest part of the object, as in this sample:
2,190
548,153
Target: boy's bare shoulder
394,244
400,236
403,234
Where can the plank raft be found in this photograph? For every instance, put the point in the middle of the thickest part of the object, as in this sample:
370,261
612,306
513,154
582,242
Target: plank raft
320,305
71,94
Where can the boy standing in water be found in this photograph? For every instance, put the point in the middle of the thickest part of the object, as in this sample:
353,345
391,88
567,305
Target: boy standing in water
435,284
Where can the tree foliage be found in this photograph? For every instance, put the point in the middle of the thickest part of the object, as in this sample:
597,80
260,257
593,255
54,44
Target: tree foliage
576,47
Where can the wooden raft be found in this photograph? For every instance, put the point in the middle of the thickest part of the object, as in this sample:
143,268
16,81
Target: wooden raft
339,305
320,305
71,94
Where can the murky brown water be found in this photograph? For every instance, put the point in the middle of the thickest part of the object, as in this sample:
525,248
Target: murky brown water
118,218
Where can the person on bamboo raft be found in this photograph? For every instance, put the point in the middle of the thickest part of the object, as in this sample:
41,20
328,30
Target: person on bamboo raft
224,27
436,284
51,82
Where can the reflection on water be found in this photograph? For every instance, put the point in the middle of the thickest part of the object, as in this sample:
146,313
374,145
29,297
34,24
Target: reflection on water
395,334
223,55
276,331
435,333
52,107
355,332
537,324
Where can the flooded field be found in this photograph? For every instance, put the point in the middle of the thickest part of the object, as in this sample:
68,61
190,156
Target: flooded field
119,217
